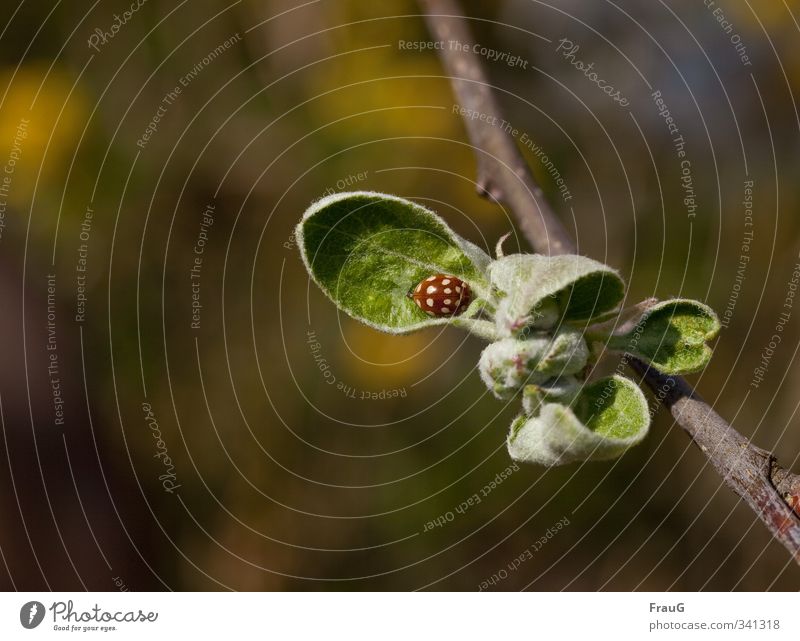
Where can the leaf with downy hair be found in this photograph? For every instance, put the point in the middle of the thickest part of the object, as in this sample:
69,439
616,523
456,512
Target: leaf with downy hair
606,418
540,291
671,335
367,250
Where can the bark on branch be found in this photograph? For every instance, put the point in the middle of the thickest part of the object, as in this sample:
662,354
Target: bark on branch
503,174
771,491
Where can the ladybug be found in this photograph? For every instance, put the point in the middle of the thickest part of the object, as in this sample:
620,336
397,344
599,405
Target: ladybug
442,295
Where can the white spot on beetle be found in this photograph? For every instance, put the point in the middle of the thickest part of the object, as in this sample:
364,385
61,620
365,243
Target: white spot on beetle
431,290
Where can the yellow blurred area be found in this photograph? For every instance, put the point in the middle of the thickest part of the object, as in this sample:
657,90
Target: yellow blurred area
375,77
41,118
372,81
771,13
374,358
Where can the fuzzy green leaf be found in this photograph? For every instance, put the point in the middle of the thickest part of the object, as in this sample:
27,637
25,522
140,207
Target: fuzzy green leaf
366,251
671,335
606,418
534,286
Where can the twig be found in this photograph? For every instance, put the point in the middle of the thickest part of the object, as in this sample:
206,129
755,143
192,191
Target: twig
772,492
503,173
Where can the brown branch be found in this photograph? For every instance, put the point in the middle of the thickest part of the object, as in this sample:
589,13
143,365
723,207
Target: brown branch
772,492
503,173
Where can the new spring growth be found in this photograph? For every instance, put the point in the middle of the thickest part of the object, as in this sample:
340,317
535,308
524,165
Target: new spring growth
547,319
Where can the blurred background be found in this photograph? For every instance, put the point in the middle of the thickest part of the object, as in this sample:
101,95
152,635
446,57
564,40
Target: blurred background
181,410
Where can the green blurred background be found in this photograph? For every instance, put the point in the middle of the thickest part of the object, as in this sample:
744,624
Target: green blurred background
286,480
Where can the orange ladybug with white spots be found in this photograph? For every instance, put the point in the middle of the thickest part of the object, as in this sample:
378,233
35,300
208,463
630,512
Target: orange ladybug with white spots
442,295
